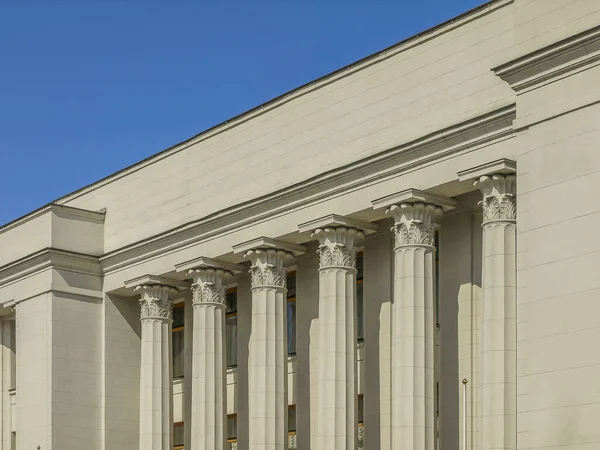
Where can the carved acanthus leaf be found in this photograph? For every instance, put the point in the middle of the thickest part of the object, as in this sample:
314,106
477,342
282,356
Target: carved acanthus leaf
337,246
268,275
414,232
268,267
156,301
208,285
499,199
336,254
415,223
499,207
208,292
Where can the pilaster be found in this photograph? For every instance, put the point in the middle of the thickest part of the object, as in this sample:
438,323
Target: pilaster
499,345
497,183
7,380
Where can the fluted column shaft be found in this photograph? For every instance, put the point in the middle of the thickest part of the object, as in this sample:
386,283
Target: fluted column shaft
208,361
267,375
337,370
156,376
7,381
499,344
413,380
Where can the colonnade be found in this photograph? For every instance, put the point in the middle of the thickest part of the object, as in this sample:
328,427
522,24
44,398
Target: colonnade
416,216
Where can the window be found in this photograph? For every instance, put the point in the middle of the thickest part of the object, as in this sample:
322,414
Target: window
292,427
359,297
178,339
291,313
231,431
178,436
361,421
437,277
231,327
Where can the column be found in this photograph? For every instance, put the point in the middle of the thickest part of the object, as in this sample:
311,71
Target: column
156,377
499,344
209,386
415,216
268,350
413,380
337,369
7,382
267,359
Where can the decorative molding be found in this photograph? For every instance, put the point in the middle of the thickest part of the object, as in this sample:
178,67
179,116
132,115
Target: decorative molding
152,280
268,267
499,166
414,196
49,258
487,129
554,62
156,301
415,223
268,243
499,197
336,220
63,210
337,246
206,263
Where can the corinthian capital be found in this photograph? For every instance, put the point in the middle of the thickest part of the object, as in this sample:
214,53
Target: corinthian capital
415,223
268,258
268,267
499,197
156,301
337,236
208,285
337,246
156,295
209,277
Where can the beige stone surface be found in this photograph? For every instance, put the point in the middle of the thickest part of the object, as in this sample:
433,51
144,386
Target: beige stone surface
513,79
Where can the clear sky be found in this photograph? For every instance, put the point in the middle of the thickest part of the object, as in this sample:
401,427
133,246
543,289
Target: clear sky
88,87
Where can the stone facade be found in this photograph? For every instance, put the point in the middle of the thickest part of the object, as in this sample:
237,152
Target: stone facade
362,245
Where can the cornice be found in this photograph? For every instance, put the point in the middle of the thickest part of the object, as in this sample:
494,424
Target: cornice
266,243
414,196
69,211
502,166
554,62
483,130
335,220
49,258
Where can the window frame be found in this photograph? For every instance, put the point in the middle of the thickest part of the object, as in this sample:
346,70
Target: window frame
231,440
178,425
228,315
360,282
292,299
180,305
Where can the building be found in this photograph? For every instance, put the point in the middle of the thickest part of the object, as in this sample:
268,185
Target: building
328,267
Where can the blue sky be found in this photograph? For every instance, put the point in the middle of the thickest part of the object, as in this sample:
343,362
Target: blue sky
88,87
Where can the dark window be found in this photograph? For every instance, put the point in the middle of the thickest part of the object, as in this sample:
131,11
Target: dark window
360,297
231,431
178,435
231,327
178,339
291,313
